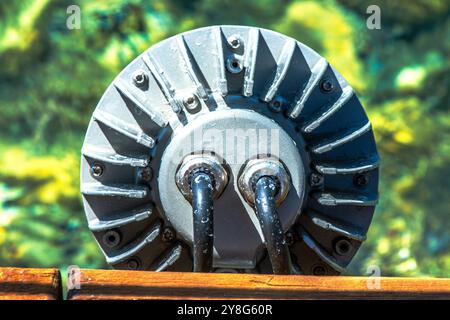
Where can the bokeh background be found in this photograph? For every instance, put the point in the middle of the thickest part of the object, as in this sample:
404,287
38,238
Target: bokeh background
51,78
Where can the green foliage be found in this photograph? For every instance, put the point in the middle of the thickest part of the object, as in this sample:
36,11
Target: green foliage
51,79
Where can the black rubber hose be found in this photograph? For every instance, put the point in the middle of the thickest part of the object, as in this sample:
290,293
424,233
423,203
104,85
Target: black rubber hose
203,210
279,255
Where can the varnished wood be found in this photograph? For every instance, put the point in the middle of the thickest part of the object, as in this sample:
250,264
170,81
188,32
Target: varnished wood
115,284
30,284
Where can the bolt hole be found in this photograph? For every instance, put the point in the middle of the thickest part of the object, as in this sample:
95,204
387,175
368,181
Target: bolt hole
343,247
111,238
276,106
97,170
133,264
234,64
361,180
327,85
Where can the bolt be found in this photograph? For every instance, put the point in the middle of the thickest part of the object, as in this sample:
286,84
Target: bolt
327,85
111,238
234,41
289,238
146,174
97,170
168,234
191,102
139,78
342,247
315,179
275,105
133,264
319,270
361,180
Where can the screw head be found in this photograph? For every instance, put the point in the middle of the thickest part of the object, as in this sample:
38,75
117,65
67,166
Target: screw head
319,270
168,234
315,179
146,174
276,105
111,238
343,247
191,102
140,78
133,264
234,41
289,238
97,170
327,85
361,180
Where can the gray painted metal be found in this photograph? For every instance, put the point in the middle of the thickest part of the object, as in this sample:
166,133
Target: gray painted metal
183,96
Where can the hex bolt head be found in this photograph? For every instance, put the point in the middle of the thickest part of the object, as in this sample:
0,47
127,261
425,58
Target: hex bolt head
315,180
139,78
133,264
343,247
361,179
190,102
111,238
234,41
326,85
319,270
168,234
97,170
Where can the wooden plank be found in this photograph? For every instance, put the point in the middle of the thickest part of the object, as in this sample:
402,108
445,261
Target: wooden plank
116,284
30,284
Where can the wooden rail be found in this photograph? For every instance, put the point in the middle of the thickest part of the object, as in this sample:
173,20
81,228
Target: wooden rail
103,284
45,284
25,284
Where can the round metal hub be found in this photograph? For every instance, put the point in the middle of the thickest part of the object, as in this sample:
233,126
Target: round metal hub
235,135
237,94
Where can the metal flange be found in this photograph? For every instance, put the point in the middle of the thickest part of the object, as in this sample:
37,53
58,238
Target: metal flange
257,168
201,162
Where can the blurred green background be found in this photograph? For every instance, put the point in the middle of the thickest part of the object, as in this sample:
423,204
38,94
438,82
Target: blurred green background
51,78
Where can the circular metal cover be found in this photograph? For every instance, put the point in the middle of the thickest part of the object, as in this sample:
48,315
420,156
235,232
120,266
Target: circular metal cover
256,84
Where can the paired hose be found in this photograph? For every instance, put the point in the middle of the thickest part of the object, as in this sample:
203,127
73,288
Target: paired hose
203,218
278,251
203,211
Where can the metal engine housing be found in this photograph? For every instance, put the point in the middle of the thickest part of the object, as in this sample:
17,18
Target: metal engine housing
236,92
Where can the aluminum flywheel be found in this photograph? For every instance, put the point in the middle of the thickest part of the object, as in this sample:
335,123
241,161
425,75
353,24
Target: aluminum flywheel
230,149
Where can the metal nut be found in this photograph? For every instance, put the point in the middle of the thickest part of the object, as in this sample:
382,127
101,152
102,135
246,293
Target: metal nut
258,168
208,162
